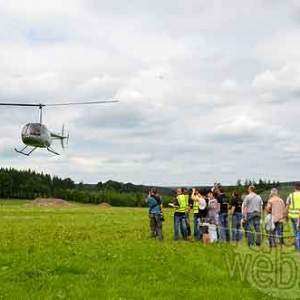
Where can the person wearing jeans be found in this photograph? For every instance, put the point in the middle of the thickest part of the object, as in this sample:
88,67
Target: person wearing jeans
236,226
187,211
276,208
296,231
297,236
180,222
236,212
224,229
293,210
252,211
156,226
197,232
253,223
155,212
276,234
195,197
223,216
181,205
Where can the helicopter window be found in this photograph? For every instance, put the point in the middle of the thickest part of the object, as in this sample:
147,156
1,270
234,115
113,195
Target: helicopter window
25,129
35,129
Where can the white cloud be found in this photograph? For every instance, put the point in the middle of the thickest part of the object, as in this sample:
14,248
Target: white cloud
229,84
198,82
279,85
266,80
241,126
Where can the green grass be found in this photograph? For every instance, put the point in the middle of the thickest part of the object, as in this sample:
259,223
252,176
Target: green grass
87,252
9,202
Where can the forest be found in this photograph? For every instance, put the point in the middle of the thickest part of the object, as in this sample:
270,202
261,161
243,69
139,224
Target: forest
28,184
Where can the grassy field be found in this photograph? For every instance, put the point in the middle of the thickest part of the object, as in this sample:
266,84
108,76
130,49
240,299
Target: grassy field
87,252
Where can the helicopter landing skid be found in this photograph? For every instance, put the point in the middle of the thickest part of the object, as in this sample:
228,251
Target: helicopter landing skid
24,153
52,151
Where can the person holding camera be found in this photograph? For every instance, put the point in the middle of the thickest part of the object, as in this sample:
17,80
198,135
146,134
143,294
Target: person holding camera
188,210
196,199
155,214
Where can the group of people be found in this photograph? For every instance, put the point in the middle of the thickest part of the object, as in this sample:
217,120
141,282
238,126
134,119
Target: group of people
211,214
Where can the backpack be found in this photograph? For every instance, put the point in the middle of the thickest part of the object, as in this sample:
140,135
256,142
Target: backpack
158,202
202,204
269,223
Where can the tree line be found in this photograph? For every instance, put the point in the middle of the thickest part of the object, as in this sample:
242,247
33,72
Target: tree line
28,184
260,186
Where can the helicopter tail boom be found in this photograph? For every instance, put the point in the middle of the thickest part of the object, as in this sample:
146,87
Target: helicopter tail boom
63,137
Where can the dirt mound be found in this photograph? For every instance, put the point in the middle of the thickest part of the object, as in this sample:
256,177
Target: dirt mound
48,202
104,205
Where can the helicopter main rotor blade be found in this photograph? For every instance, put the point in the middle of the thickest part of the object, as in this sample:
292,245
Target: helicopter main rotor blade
40,105
22,104
82,103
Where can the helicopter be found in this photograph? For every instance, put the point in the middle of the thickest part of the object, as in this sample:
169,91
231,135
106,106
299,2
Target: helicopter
37,135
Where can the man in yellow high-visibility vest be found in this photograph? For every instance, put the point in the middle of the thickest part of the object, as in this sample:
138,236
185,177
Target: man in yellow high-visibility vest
181,205
293,210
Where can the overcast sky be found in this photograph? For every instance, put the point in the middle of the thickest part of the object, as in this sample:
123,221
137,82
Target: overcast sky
208,89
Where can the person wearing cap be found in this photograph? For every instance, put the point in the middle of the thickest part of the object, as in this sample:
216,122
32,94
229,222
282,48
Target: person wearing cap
276,208
292,211
181,205
252,213
155,213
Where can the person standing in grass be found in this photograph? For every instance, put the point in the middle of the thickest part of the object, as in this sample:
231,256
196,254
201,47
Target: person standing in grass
243,222
236,213
181,205
276,208
252,213
223,216
195,198
298,223
212,208
293,210
212,215
187,213
155,214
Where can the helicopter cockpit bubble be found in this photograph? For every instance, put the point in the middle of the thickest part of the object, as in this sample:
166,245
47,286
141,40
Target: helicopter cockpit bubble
25,130
32,129
35,129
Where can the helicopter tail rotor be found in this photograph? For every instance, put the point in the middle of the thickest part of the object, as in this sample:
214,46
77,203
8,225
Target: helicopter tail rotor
64,137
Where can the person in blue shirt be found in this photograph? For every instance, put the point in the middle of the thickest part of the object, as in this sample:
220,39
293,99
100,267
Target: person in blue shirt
155,213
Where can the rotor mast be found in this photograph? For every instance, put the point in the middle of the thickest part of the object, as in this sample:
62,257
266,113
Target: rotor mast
41,113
